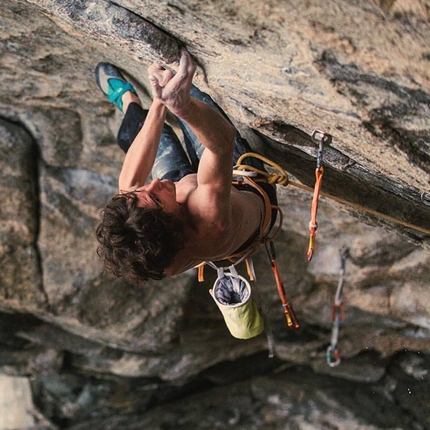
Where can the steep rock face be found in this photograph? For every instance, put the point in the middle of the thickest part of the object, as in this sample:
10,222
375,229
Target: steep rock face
93,344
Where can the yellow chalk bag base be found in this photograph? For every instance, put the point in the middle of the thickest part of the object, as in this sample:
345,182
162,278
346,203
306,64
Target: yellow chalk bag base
243,319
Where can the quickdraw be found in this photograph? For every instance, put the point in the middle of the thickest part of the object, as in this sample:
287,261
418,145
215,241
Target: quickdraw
338,313
322,139
290,315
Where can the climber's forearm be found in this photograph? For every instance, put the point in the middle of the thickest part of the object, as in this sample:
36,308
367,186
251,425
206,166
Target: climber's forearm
140,157
211,128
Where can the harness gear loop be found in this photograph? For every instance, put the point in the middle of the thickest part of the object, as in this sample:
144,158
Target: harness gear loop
338,313
322,139
290,315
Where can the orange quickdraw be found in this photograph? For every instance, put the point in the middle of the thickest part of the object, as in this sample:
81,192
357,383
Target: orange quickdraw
290,315
325,139
313,224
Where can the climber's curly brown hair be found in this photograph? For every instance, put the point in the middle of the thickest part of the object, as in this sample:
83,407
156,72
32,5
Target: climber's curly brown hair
137,243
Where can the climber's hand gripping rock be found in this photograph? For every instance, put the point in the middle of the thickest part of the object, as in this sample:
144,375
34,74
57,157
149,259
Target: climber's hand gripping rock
173,90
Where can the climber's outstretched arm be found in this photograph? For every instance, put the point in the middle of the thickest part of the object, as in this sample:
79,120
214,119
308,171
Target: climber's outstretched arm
211,199
141,155
170,91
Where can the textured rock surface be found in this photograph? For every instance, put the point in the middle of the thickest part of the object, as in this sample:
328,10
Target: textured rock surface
104,354
16,396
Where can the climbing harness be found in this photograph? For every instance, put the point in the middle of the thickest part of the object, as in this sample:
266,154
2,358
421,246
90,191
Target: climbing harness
251,177
338,313
281,178
322,139
231,292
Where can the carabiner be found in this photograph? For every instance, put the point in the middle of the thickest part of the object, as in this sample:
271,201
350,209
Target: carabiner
333,357
290,315
322,139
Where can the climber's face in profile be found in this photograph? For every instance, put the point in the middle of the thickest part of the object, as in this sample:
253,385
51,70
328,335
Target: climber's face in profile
159,194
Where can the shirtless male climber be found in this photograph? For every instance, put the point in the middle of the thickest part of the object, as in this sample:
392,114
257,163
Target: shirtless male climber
190,212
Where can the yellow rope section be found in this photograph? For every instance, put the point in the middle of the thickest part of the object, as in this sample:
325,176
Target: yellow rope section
281,178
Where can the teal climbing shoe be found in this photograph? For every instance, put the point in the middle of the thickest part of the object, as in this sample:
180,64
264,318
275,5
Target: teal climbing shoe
112,83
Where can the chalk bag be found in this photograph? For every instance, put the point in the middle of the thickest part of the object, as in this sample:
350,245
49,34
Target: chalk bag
232,294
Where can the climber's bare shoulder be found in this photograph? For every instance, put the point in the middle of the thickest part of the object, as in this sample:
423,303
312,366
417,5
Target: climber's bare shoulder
206,240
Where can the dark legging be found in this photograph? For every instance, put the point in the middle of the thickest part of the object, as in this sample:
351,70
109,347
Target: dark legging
172,161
